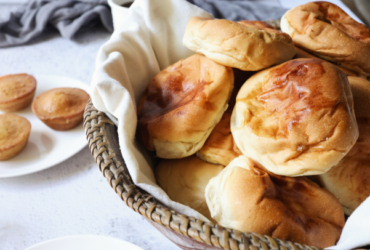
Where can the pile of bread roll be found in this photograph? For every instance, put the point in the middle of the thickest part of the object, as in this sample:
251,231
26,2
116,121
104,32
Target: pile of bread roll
237,144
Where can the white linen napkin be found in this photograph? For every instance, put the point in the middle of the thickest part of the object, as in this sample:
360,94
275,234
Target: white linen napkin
356,231
148,41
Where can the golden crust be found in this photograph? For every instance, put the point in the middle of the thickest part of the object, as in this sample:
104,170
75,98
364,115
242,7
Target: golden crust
14,133
237,45
220,147
182,104
296,118
329,33
61,108
304,54
247,198
259,25
349,181
16,91
185,180
361,98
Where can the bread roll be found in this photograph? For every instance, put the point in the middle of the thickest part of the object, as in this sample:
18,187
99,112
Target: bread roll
361,98
185,180
182,104
329,33
239,45
349,181
296,118
247,198
304,54
220,147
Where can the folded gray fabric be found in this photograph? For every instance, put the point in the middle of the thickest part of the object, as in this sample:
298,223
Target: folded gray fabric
237,10
67,16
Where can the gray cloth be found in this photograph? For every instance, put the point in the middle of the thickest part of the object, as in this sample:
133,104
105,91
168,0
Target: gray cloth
237,10
67,16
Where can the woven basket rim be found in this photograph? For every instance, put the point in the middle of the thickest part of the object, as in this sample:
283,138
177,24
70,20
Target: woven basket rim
113,167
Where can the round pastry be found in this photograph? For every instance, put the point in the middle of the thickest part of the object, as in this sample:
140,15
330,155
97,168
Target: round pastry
182,104
246,46
61,108
14,133
185,180
247,198
296,118
328,32
349,181
220,147
361,98
16,91
304,54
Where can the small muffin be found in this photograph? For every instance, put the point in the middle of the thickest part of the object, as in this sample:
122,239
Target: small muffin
245,197
14,133
296,118
16,91
61,108
247,45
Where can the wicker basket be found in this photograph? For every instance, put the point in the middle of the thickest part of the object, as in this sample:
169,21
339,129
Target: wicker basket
186,232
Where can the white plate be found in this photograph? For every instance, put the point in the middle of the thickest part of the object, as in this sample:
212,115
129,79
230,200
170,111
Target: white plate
46,147
85,242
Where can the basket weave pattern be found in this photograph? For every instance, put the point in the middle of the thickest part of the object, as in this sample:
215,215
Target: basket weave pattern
102,138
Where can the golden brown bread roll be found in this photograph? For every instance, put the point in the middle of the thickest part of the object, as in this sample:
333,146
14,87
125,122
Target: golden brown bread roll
328,32
220,147
185,180
349,181
182,104
296,118
361,98
304,54
238,45
247,198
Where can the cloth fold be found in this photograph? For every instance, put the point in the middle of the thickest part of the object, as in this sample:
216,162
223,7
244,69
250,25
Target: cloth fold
67,16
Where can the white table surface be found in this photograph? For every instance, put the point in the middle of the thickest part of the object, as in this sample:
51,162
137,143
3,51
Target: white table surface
71,198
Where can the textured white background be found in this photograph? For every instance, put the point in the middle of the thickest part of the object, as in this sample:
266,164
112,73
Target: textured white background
73,197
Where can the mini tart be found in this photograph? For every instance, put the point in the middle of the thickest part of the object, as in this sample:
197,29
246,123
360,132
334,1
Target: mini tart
16,91
14,133
61,108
